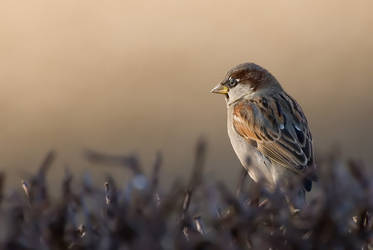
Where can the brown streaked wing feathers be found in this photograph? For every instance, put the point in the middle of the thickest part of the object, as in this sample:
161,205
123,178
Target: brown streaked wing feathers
278,126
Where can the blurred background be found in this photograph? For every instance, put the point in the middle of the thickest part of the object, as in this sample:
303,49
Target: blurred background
124,76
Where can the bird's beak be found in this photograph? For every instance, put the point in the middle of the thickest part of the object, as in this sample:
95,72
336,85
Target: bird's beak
220,89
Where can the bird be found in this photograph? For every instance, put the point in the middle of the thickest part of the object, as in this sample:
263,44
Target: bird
268,131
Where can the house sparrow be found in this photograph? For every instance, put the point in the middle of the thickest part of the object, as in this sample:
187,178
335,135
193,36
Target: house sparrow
268,130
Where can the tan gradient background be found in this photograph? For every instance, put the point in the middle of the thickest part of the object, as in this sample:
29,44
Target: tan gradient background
126,76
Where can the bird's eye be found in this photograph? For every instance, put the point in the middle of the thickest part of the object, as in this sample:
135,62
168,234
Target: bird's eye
232,82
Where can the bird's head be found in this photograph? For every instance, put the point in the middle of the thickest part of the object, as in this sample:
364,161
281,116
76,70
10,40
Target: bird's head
246,79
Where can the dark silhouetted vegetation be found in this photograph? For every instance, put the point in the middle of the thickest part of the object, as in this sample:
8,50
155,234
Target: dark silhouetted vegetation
199,215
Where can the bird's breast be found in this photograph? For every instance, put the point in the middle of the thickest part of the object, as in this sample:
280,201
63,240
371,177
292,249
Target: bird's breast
241,146
251,159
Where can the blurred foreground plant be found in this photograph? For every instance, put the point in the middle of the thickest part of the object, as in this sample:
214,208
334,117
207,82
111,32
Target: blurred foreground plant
200,215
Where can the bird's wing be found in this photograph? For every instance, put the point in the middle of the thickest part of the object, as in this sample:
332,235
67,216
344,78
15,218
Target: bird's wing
278,126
